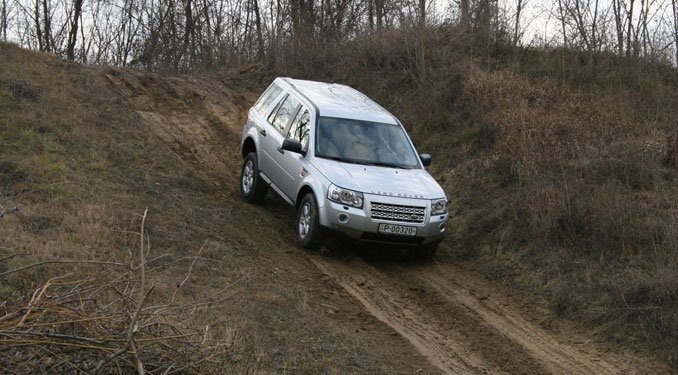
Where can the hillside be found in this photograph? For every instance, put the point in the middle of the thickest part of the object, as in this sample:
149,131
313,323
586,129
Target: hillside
124,243
560,165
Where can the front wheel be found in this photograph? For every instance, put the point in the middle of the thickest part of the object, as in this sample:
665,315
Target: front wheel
309,233
252,187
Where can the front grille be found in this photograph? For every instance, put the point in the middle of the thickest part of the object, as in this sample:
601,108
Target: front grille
399,213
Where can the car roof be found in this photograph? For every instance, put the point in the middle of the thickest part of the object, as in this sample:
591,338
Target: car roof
336,100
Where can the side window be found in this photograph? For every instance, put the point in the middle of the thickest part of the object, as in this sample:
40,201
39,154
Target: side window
301,125
275,110
285,113
267,98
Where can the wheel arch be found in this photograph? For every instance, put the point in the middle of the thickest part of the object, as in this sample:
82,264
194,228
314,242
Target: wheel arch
314,183
248,146
302,192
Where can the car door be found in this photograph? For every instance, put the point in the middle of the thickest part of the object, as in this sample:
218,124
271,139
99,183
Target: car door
272,143
263,109
292,162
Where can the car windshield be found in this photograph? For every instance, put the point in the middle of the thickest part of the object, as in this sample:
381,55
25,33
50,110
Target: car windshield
364,142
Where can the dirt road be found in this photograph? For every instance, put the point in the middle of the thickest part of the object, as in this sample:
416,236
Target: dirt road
452,319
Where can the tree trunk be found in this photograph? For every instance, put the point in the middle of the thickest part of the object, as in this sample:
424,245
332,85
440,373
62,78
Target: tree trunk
465,11
3,21
189,30
38,29
619,26
73,33
581,24
47,27
594,27
675,26
629,31
561,11
516,29
257,23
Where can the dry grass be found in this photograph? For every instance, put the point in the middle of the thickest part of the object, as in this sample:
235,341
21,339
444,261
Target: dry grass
106,322
560,167
72,171
77,161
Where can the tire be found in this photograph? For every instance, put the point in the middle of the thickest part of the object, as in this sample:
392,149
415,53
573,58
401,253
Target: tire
424,252
252,188
308,231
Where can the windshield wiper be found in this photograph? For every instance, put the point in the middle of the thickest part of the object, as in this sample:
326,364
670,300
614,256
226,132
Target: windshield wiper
391,165
344,160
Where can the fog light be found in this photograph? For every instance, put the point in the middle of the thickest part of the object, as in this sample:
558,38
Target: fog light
343,218
442,227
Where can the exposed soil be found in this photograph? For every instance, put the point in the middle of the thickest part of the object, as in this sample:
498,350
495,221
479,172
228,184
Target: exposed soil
342,310
439,315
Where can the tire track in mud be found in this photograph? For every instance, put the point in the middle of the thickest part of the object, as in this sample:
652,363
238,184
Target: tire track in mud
443,352
556,357
457,332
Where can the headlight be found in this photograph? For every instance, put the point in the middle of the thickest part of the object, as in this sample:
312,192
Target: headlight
345,196
438,206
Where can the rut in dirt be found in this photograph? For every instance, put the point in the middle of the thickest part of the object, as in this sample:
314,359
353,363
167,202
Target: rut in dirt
456,331
430,306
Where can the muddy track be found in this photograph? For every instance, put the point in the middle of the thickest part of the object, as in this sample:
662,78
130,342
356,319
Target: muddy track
459,322
433,306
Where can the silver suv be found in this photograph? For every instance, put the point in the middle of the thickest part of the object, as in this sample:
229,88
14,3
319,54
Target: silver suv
345,163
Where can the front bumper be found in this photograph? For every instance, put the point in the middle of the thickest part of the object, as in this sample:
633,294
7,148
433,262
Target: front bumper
358,224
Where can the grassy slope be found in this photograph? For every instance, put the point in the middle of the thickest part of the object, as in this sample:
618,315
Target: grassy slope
561,171
560,168
83,152
77,172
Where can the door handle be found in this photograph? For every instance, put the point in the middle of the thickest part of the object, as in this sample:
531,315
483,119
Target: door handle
280,150
262,132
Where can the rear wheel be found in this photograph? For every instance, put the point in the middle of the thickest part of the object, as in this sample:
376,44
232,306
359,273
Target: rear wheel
252,187
309,233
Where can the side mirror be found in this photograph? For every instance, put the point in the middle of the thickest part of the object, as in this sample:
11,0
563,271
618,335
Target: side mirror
292,145
425,159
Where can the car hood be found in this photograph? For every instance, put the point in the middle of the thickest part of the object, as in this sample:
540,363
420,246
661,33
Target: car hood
410,183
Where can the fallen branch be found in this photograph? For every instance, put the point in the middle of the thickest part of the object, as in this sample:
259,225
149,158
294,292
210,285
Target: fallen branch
104,322
8,257
190,269
40,292
60,262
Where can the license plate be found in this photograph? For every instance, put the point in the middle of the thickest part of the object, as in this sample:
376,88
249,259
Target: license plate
400,230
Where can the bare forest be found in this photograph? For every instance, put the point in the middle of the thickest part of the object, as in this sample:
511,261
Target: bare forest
199,35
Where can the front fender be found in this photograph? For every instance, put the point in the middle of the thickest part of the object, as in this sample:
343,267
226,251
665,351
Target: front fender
316,182
250,135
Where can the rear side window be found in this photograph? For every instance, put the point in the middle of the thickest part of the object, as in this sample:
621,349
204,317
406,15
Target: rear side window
267,98
300,127
286,111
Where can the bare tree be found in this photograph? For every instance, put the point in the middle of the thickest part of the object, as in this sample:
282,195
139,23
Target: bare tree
73,33
200,34
563,22
465,12
583,19
47,26
257,23
4,19
516,29
618,7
